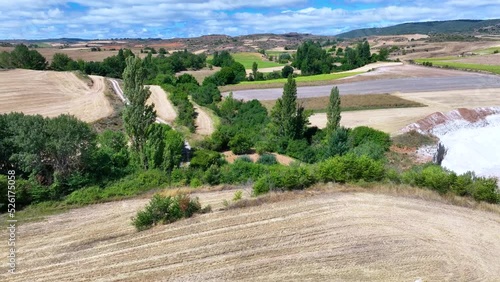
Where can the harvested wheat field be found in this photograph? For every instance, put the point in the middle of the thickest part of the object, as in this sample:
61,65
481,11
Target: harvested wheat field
321,237
392,120
50,94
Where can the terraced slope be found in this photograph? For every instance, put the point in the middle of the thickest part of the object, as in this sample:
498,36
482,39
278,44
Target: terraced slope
336,236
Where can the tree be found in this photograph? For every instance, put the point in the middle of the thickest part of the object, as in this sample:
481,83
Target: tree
289,119
62,62
22,57
286,71
254,69
137,116
383,54
333,111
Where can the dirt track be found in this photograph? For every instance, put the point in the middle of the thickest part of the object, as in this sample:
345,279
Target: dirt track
392,120
164,108
52,93
341,236
203,122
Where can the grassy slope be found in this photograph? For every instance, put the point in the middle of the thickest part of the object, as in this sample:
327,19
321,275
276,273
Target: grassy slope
319,77
247,59
447,61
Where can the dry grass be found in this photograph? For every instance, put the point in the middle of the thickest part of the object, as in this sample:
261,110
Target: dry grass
353,102
51,93
388,234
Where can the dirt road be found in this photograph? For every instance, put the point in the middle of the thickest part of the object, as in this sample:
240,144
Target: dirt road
51,93
339,236
164,108
203,122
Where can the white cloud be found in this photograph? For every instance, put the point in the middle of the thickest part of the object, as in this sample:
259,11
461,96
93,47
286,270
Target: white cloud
119,18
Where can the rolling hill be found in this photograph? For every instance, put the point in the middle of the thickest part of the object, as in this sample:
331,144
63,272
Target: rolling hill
454,26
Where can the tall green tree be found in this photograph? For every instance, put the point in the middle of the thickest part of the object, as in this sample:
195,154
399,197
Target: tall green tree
137,116
333,111
289,118
254,69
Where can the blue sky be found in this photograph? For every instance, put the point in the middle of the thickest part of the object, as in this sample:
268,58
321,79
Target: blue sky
39,19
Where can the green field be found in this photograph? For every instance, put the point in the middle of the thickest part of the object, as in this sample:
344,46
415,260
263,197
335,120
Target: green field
319,77
247,59
447,62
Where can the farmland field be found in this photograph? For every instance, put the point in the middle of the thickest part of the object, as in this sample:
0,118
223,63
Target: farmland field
353,102
309,236
247,59
51,93
491,65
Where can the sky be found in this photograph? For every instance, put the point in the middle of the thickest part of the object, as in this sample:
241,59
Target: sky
95,19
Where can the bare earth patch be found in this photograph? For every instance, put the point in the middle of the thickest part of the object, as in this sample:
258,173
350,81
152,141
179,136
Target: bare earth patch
392,120
340,236
493,59
50,94
281,159
164,108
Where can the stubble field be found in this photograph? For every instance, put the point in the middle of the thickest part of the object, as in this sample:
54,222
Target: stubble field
328,236
53,93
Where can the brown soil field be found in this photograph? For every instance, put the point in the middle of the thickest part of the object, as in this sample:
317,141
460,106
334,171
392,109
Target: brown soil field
493,59
164,108
438,49
350,236
84,54
352,102
50,93
200,74
392,120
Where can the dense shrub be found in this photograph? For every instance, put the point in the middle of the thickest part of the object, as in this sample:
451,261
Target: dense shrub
88,195
363,134
163,210
244,158
240,144
371,149
203,159
267,159
350,168
284,178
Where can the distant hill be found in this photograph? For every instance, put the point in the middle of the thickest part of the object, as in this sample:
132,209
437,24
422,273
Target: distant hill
455,26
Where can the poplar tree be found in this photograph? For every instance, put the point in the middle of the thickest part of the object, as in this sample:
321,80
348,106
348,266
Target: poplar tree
289,119
137,116
333,111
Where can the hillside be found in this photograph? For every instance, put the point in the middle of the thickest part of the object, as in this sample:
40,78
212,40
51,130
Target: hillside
309,237
455,26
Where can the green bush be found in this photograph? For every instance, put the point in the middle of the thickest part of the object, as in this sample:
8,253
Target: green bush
89,195
244,158
370,149
163,210
136,183
350,168
286,178
203,159
363,134
195,182
241,172
267,159
240,144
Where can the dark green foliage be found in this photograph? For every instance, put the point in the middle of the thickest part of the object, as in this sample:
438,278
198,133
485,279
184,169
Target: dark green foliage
312,59
24,190
163,147
350,168
267,159
272,75
333,111
62,62
222,59
186,78
203,159
137,115
111,158
24,58
371,149
244,158
163,210
288,118
337,142
363,134
286,71
206,95
240,144
186,113
300,149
